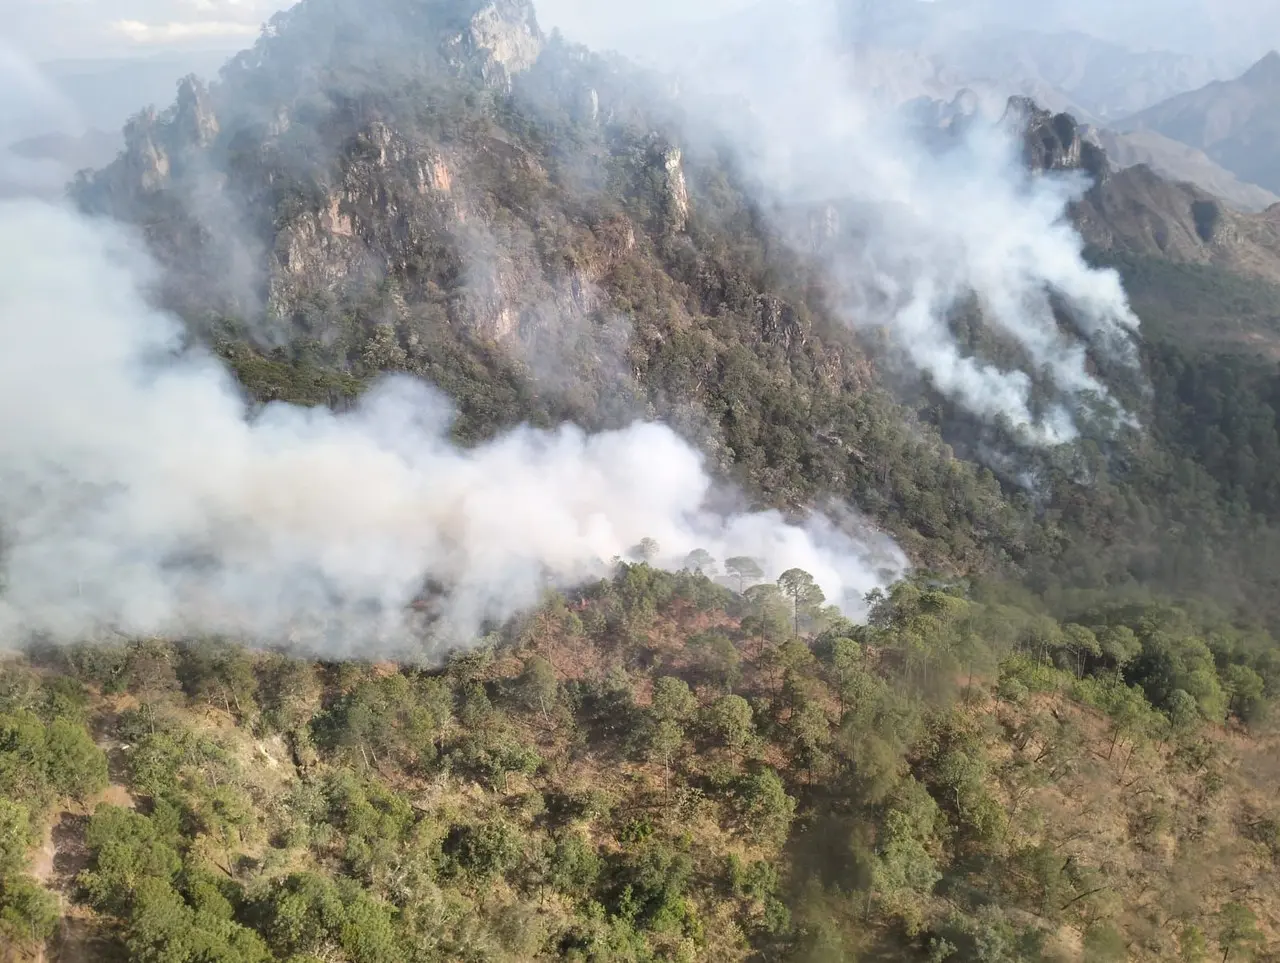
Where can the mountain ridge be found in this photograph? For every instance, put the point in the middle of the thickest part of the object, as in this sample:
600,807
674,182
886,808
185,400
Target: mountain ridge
1182,163
1233,121
541,245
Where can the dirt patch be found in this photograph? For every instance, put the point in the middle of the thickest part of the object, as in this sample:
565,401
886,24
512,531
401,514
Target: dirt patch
71,855
62,854
117,795
60,858
42,860
81,940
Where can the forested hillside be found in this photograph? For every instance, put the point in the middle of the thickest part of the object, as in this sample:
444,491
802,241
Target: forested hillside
1052,742
659,768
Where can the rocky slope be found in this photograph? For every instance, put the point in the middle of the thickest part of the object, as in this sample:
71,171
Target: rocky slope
303,187
1176,161
511,218
1135,210
1130,208
294,185
1139,212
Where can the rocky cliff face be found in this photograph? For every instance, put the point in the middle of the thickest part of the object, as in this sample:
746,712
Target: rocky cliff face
505,34
675,189
299,198
1054,142
158,147
391,199
1137,211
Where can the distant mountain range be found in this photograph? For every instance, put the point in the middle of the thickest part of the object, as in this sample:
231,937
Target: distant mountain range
1093,79
1236,122
1234,30
904,49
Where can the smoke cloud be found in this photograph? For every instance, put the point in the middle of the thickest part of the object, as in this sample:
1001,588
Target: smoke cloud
139,493
911,227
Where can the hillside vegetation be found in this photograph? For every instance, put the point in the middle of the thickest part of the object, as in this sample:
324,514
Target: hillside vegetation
659,769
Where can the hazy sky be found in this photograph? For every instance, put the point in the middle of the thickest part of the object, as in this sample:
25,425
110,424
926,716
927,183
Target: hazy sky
47,29
44,29
603,24
1241,30
1234,32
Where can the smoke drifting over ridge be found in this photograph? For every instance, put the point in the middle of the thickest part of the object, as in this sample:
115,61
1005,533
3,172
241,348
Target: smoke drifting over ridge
138,494
909,230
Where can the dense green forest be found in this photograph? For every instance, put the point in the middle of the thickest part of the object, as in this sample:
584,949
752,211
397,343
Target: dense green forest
659,768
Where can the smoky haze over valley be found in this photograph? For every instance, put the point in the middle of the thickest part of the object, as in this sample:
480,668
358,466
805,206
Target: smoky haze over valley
1233,33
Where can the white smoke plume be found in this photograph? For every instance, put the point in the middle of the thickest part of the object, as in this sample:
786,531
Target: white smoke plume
943,229
909,231
139,493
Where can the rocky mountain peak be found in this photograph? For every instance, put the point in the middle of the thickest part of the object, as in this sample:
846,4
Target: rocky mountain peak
505,33
1053,141
194,121
1266,72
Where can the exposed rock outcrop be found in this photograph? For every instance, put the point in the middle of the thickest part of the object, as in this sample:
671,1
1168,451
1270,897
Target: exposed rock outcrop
588,106
194,125
675,190
1054,142
143,167
287,204
506,33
